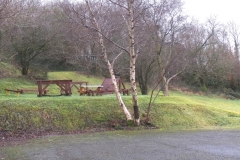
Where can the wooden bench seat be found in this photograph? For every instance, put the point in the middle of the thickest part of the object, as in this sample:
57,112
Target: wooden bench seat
23,90
11,90
82,91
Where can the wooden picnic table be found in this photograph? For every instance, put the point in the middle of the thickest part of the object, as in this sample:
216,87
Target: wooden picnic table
64,85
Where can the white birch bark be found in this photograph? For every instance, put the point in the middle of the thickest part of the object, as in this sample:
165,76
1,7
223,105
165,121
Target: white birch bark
133,62
110,67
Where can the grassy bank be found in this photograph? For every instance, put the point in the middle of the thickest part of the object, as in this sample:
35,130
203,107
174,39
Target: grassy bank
58,114
31,114
183,111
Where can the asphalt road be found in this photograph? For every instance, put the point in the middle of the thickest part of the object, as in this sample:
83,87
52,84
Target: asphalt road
131,145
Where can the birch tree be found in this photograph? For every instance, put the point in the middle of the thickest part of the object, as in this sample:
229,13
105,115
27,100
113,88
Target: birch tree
106,59
129,19
133,57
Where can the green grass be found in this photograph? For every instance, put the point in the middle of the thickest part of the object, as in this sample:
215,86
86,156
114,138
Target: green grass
71,113
23,82
30,113
15,83
194,111
75,76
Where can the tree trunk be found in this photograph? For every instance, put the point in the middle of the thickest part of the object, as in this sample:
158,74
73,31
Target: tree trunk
166,83
133,62
144,89
134,92
143,83
166,93
24,69
118,95
165,86
110,67
203,84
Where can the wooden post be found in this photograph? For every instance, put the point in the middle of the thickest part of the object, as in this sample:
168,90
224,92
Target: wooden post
67,87
39,88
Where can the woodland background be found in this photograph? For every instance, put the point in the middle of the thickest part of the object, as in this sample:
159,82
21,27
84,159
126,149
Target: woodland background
52,36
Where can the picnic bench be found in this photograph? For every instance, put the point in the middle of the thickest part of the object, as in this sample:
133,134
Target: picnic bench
82,87
11,90
64,85
90,92
23,90
82,91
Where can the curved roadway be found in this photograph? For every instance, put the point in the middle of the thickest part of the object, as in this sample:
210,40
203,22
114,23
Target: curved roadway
132,145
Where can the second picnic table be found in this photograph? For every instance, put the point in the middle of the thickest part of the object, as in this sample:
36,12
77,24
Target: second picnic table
64,85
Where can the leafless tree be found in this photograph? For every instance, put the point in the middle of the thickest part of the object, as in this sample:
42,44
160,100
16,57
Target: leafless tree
146,68
203,50
29,35
235,33
234,42
175,43
9,9
167,25
128,16
105,55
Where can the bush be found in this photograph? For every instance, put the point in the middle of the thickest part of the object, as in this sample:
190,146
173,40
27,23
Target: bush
204,88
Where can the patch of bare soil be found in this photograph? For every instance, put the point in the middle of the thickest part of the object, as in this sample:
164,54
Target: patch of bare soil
13,139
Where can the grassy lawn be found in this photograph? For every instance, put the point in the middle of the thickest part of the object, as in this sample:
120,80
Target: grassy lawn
70,113
195,111
23,82
75,76
29,113
15,83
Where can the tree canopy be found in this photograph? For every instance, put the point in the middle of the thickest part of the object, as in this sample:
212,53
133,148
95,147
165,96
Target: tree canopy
167,47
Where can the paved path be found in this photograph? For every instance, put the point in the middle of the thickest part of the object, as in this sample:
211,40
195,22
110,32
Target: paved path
132,145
